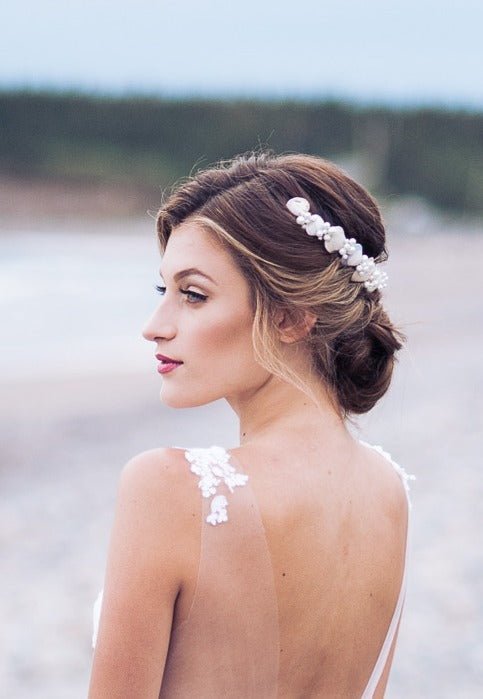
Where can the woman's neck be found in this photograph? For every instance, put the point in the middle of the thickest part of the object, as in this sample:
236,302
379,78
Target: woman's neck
277,407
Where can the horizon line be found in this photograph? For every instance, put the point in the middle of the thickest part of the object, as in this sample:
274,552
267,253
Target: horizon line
188,94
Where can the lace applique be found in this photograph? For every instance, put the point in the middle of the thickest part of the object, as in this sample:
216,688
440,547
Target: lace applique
212,466
405,477
218,511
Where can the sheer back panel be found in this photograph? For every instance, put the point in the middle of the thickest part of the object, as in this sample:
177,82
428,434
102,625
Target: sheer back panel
229,645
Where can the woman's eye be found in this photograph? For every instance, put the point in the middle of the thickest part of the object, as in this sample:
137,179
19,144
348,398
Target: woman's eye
193,296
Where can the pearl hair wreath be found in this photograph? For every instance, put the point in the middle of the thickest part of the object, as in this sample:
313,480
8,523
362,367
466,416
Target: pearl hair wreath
335,240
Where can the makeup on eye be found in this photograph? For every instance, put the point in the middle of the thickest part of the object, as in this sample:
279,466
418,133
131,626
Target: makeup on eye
194,296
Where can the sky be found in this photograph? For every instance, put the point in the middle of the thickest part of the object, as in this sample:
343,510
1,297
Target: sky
371,51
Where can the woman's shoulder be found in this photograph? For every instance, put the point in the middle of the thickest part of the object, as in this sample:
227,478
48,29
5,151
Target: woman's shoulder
172,473
175,463
159,480
394,469
158,467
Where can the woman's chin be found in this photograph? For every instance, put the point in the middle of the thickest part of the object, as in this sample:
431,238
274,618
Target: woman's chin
176,399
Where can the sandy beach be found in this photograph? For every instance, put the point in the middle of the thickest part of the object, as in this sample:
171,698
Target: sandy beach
65,438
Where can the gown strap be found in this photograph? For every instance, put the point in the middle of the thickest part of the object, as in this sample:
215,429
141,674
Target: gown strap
392,629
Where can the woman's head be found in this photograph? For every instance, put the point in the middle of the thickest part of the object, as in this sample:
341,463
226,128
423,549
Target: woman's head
296,292
204,320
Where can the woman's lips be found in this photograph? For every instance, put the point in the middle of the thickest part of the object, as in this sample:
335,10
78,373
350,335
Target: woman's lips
165,367
166,364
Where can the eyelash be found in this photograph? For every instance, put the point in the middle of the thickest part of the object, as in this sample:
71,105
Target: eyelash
193,295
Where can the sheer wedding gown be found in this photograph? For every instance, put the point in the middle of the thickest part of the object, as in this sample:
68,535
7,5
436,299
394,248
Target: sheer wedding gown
229,646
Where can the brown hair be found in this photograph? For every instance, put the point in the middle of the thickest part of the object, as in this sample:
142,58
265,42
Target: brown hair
242,201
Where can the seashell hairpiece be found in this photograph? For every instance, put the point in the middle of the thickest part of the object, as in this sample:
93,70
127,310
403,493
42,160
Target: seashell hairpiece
335,241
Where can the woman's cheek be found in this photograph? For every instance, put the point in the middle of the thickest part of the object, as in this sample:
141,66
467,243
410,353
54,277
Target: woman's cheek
224,331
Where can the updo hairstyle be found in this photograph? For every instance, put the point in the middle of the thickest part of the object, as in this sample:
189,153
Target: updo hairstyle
242,202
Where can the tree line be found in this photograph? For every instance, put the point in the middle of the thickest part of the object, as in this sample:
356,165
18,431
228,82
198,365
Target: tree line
432,153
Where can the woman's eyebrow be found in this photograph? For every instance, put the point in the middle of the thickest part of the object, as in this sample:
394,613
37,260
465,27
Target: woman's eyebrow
187,272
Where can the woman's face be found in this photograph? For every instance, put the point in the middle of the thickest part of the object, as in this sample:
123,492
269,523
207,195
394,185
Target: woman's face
209,328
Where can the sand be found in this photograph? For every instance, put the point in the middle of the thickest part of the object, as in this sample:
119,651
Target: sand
63,443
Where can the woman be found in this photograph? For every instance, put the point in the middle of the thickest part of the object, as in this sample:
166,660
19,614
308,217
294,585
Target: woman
284,576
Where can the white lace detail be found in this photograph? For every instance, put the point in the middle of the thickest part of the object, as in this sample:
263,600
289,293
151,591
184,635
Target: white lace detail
405,477
212,466
218,511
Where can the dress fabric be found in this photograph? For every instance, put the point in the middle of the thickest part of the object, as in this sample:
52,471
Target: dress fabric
229,644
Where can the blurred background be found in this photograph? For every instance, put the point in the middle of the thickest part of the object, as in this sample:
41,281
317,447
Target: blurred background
104,106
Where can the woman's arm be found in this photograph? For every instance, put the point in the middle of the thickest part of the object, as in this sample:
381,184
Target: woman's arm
143,578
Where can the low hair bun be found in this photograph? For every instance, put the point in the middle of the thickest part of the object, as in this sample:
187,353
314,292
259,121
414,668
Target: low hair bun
364,357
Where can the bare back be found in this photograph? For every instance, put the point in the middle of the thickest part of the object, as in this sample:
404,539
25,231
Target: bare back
297,576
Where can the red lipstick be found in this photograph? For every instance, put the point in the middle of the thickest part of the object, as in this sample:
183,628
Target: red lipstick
166,364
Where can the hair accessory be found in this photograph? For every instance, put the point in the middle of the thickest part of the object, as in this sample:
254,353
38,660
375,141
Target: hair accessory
334,240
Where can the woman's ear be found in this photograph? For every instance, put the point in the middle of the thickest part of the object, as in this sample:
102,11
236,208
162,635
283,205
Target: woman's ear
291,328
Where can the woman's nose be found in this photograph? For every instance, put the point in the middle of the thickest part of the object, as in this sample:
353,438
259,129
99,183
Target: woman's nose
158,327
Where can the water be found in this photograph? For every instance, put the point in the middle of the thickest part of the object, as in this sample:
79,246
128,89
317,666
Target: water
74,303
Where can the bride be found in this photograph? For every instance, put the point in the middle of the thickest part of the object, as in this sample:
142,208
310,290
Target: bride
275,568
